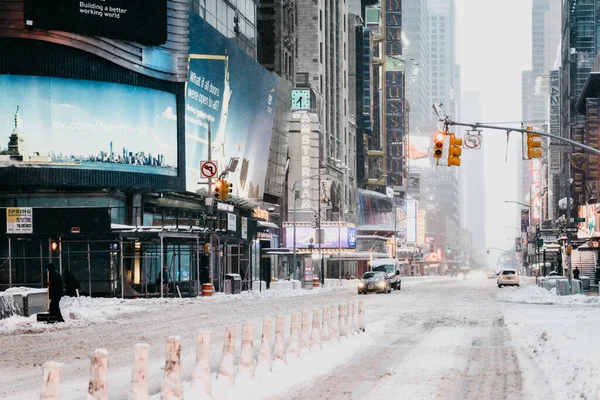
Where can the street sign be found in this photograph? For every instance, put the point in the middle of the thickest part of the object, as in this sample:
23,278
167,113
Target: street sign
540,242
472,141
208,169
569,229
579,219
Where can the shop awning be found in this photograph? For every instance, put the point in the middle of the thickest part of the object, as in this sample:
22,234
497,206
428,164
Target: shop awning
266,224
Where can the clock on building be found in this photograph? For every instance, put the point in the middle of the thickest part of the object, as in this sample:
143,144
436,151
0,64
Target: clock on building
300,99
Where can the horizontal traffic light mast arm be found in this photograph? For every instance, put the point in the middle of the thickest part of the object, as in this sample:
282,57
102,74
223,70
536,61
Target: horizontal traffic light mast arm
448,122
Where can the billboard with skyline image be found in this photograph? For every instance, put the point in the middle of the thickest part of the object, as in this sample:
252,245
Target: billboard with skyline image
80,124
235,96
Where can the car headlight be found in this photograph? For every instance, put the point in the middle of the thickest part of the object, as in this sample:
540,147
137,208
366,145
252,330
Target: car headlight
361,284
381,283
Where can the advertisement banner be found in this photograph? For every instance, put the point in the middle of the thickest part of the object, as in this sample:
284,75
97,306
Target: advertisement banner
535,191
19,220
142,21
524,220
331,234
231,222
421,227
411,221
244,228
80,124
591,226
235,96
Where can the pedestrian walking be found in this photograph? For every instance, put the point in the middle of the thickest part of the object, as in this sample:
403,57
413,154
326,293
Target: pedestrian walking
166,280
71,284
55,289
576,273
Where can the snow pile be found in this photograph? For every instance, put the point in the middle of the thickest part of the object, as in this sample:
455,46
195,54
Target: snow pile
297,371
555,350
8,306
531,294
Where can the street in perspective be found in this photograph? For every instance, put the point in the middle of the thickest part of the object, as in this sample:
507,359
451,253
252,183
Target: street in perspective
276,199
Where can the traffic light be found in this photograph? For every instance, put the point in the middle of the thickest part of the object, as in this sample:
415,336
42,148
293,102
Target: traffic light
226,190
534,145
218,189
54,246
438,145
454,151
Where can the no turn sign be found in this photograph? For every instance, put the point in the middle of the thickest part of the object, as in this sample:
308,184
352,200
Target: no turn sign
208,169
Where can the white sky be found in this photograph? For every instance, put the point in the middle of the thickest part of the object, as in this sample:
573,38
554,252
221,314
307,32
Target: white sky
493,47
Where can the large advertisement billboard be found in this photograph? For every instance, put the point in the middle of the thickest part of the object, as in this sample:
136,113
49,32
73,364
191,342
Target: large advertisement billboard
343,237
235,96
79,124
143,21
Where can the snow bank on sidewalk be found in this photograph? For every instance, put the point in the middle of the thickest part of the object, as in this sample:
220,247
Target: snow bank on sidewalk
531,294
556,350
100,309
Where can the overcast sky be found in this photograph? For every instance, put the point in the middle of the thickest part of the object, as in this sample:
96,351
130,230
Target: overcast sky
493,47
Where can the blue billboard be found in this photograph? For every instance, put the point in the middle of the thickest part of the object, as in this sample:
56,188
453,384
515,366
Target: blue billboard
235,96
78,124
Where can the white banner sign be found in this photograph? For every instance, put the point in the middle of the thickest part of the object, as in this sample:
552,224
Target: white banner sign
231,222
19,220
244,228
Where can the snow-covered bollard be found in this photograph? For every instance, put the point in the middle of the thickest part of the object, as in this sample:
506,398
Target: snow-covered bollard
265,358
315,339
246,362
227,365
325,330
350,320
98,387
201,374
305,335
343,315
361,315
171,383
51,381
335,323
139,382
279,348
294,342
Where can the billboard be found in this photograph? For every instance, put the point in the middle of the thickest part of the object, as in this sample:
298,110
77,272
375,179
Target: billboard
79,124
343,237
235,96
142,21
591,226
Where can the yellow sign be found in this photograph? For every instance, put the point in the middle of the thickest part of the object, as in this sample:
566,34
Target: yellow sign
19,220
421,227
259,213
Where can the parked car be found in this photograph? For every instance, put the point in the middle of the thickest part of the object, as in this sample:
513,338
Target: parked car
508,277
374,281
391,267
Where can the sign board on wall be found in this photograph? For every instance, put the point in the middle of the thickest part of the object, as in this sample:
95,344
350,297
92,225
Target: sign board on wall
421,227
244,228
143,21
231,222
394,92
411,221
535,191
333,237
19,220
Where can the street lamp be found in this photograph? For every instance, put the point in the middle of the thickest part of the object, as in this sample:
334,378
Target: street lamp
517,202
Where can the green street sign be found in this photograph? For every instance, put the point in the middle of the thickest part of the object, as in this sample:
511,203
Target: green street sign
579,219
540,243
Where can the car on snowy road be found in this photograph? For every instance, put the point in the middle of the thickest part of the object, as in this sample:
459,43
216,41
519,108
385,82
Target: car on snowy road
508,277
391,267
374,281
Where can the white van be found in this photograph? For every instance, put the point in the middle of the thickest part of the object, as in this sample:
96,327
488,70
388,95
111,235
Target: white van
392,268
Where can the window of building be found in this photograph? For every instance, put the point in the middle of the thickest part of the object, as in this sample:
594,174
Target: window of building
321,20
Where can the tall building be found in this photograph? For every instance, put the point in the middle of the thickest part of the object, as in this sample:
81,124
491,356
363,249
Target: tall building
474,181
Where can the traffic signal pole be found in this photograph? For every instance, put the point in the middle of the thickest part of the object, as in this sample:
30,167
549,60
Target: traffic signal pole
448,122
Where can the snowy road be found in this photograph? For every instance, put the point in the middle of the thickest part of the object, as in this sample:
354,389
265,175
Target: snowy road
436,339
445,339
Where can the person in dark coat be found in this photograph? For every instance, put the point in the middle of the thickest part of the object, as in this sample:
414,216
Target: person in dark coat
71,284
576,273
165,279
55,289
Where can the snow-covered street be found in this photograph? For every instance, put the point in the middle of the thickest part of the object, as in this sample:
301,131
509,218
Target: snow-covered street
438,338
